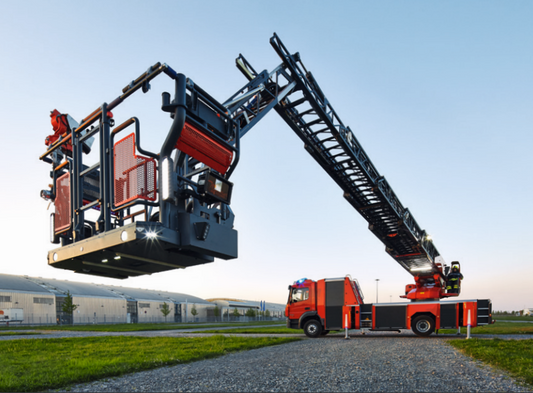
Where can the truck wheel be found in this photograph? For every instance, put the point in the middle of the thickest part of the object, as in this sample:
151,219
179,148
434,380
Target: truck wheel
313,329
423,325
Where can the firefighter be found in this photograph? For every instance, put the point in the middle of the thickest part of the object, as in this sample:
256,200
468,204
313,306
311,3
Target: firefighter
454,280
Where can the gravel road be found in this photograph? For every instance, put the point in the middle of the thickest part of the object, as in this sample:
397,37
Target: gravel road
377,362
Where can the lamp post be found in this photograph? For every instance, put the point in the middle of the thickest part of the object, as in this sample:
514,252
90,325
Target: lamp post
377,280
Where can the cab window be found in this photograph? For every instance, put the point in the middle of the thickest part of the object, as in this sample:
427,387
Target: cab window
299,294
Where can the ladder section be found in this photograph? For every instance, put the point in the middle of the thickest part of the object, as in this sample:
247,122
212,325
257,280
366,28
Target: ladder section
333,145
357,290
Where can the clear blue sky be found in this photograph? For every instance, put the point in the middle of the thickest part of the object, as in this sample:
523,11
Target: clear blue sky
440,94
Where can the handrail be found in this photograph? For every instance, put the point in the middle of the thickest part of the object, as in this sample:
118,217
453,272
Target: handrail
126,124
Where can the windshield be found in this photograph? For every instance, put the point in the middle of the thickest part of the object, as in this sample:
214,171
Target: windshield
299,294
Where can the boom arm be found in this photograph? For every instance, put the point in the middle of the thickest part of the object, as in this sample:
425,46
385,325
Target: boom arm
333,145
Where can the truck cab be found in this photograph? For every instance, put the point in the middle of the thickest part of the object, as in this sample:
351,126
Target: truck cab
301,304
318,306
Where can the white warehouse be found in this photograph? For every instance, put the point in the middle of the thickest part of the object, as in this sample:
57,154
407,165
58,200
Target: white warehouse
36,300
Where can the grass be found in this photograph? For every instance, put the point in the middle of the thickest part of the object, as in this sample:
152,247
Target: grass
41,364
513,356
261,330
17,333
501,317
136,327
497,328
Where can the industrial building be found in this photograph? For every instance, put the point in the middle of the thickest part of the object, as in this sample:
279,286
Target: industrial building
37,300
231,307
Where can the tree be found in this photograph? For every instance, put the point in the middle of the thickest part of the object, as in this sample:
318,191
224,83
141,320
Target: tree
216,312
250,313
165,310
68,306
267,314
236,312
194,311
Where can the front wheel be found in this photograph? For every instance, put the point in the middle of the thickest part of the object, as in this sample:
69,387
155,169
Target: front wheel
423,325
313,329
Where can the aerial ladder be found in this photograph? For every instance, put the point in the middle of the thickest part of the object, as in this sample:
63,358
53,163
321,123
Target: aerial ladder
335,148
154,212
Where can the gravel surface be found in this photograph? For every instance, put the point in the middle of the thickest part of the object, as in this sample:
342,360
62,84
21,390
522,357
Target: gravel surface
374,362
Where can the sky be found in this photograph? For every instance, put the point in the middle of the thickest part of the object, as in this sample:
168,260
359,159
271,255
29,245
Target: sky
439,94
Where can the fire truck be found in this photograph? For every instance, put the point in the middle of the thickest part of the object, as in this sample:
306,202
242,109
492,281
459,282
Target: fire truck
319,307
122,211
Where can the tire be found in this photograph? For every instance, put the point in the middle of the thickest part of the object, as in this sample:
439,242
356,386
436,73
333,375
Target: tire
423,325
313,328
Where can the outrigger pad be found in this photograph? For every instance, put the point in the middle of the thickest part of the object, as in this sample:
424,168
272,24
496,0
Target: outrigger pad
133,250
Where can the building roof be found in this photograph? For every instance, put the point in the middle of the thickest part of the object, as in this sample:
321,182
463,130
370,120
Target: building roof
153,295
10,282
61,287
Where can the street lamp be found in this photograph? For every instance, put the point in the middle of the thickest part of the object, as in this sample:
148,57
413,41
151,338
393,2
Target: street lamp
377,280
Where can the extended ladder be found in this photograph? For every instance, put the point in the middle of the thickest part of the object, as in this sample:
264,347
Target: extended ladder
333,145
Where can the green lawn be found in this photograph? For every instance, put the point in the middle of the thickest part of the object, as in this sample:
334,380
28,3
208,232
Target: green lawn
261,330
501,317
41,364
18,333
513,356
135,327
497,328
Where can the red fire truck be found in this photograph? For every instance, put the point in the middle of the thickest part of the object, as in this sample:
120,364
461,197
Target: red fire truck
321,306
123,211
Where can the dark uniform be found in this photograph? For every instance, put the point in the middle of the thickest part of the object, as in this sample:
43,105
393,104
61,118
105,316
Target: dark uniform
454,280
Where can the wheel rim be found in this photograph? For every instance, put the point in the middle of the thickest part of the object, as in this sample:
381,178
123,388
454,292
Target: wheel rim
312,329
423,326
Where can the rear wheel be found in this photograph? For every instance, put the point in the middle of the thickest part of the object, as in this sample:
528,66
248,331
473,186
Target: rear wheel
423,325
313,328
